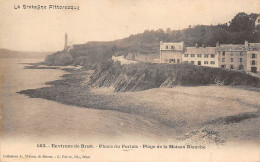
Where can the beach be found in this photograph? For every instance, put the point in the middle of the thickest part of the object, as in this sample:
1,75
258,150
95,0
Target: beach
56,107
179,111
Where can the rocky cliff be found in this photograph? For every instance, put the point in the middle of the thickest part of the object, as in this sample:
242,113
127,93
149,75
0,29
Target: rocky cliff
59,59
142,76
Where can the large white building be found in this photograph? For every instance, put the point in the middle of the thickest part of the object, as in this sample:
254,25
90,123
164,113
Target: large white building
202,56
171,52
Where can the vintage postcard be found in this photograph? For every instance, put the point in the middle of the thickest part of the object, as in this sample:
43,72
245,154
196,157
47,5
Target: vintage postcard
130,80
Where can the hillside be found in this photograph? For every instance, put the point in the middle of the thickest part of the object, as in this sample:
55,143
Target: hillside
241,28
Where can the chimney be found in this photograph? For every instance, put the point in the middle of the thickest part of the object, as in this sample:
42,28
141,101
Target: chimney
217,44
182,45
196,45
161,42
203,46
246,45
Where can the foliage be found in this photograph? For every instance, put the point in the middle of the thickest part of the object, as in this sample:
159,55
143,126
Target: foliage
243,22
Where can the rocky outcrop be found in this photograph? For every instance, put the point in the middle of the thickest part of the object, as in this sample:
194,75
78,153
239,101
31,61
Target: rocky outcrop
59,59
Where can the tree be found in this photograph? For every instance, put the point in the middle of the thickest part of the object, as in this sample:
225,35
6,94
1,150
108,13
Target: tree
168,30
243,22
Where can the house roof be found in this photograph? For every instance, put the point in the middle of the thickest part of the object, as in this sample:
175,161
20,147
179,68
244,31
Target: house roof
231,47
238,47
172,46
172,43
254,46
200,50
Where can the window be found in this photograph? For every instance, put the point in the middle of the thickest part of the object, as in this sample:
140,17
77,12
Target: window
198,55
206,62
192,55
231,53
231,59
253,55
253,62
186,55
212,56
171,60
212,62
241,53
223,59
240,60
192,62
231,66
172,47
166,47
223,66
178,61
206,55
241,67
254,69
223,53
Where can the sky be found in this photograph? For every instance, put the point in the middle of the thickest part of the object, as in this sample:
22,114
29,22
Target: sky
106,20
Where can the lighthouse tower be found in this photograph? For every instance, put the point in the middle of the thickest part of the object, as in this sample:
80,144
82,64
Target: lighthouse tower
66,42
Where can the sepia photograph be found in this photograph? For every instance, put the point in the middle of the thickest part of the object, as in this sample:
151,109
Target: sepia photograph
129,80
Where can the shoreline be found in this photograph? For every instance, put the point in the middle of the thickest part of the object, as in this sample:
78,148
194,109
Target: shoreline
27,119
73,90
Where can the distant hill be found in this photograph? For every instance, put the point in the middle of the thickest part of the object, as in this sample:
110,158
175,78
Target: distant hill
5,53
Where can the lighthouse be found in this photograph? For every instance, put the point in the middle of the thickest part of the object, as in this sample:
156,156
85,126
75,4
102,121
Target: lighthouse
66,42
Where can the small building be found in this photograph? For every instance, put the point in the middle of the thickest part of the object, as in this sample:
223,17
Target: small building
130,56
171,52
136,56
202,56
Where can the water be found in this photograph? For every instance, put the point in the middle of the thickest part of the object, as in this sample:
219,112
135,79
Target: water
25,118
